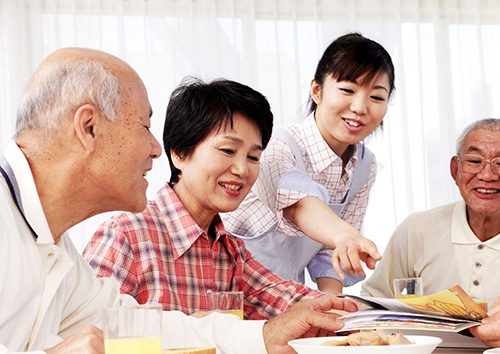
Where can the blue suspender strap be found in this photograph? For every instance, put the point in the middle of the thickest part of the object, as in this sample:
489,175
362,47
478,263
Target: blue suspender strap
8,174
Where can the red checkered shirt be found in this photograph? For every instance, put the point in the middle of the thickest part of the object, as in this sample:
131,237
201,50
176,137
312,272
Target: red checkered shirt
162,256
263,207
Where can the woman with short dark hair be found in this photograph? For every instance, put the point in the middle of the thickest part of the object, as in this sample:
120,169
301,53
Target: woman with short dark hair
177,249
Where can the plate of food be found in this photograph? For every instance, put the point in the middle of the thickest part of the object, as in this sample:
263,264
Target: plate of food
373,342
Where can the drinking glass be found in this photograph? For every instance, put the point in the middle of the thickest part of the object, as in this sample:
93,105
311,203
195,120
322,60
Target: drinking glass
133,329
226,301
406,288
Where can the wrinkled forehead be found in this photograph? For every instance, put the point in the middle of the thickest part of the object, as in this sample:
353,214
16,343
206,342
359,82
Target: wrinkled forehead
132,86
135,103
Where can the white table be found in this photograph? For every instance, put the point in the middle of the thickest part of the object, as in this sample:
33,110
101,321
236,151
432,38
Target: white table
457,351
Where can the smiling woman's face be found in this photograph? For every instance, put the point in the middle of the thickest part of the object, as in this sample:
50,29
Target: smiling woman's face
220,172
347,112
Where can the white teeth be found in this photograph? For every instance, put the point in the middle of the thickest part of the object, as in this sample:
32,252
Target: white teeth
353,123
487,191
230,186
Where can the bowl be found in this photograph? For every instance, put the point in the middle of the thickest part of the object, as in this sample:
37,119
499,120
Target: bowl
423,345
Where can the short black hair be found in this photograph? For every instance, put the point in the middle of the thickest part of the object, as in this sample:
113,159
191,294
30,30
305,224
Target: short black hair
196,108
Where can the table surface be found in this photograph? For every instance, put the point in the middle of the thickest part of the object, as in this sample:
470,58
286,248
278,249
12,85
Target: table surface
457,351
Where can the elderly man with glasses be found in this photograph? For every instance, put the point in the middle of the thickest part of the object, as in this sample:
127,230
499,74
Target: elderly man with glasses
456,243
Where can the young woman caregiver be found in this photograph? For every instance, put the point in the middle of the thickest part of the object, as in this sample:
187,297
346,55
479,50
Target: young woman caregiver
308,204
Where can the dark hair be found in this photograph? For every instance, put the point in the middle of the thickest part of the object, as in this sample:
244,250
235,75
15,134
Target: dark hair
197,108
350,56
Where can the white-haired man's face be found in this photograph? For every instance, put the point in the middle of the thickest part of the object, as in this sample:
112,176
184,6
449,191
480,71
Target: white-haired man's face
476,176
127,151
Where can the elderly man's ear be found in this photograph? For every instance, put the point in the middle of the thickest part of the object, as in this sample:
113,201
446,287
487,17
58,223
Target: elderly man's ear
454,168
85,121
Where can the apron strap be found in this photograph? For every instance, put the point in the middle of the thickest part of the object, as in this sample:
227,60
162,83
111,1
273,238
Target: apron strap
281,133
359,177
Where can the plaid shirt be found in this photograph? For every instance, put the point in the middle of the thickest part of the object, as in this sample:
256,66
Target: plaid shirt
263,207
162,256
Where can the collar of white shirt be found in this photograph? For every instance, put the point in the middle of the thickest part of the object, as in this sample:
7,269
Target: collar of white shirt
461,233
32,206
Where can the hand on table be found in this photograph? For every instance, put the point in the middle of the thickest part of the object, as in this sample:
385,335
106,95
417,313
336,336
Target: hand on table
308,318
88,340
489,331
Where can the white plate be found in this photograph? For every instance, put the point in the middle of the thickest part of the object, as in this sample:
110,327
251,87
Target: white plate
492,351
423,345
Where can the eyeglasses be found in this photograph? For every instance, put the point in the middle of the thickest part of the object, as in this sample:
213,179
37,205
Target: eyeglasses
476,163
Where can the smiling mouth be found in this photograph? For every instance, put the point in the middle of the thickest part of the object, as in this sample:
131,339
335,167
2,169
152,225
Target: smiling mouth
231,187
487,191
352,123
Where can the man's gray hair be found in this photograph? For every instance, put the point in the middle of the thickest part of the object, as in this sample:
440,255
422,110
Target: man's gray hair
57,90
491,124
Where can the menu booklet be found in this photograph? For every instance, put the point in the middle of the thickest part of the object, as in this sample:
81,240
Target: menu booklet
449,311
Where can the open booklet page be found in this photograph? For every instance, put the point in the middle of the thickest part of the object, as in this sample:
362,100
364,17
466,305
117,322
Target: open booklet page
449,311
454,302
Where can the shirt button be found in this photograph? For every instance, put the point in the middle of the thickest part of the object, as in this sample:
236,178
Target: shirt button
51,254
475,282
480,247
478,265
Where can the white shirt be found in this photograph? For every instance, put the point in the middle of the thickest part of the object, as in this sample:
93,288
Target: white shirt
48,292
439,246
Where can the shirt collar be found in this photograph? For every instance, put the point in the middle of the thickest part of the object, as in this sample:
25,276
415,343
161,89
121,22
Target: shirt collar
182,229
321,156
461,233
32,206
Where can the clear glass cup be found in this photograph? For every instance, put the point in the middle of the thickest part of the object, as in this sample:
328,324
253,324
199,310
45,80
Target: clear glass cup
406,288
133,329
226,301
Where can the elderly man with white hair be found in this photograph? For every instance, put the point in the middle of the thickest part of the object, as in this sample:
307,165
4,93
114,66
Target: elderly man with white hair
457,243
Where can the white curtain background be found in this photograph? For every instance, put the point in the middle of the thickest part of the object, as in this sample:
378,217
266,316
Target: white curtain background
445,53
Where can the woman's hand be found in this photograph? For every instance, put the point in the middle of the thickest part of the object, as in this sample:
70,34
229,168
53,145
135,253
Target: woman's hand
320,223
351,250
